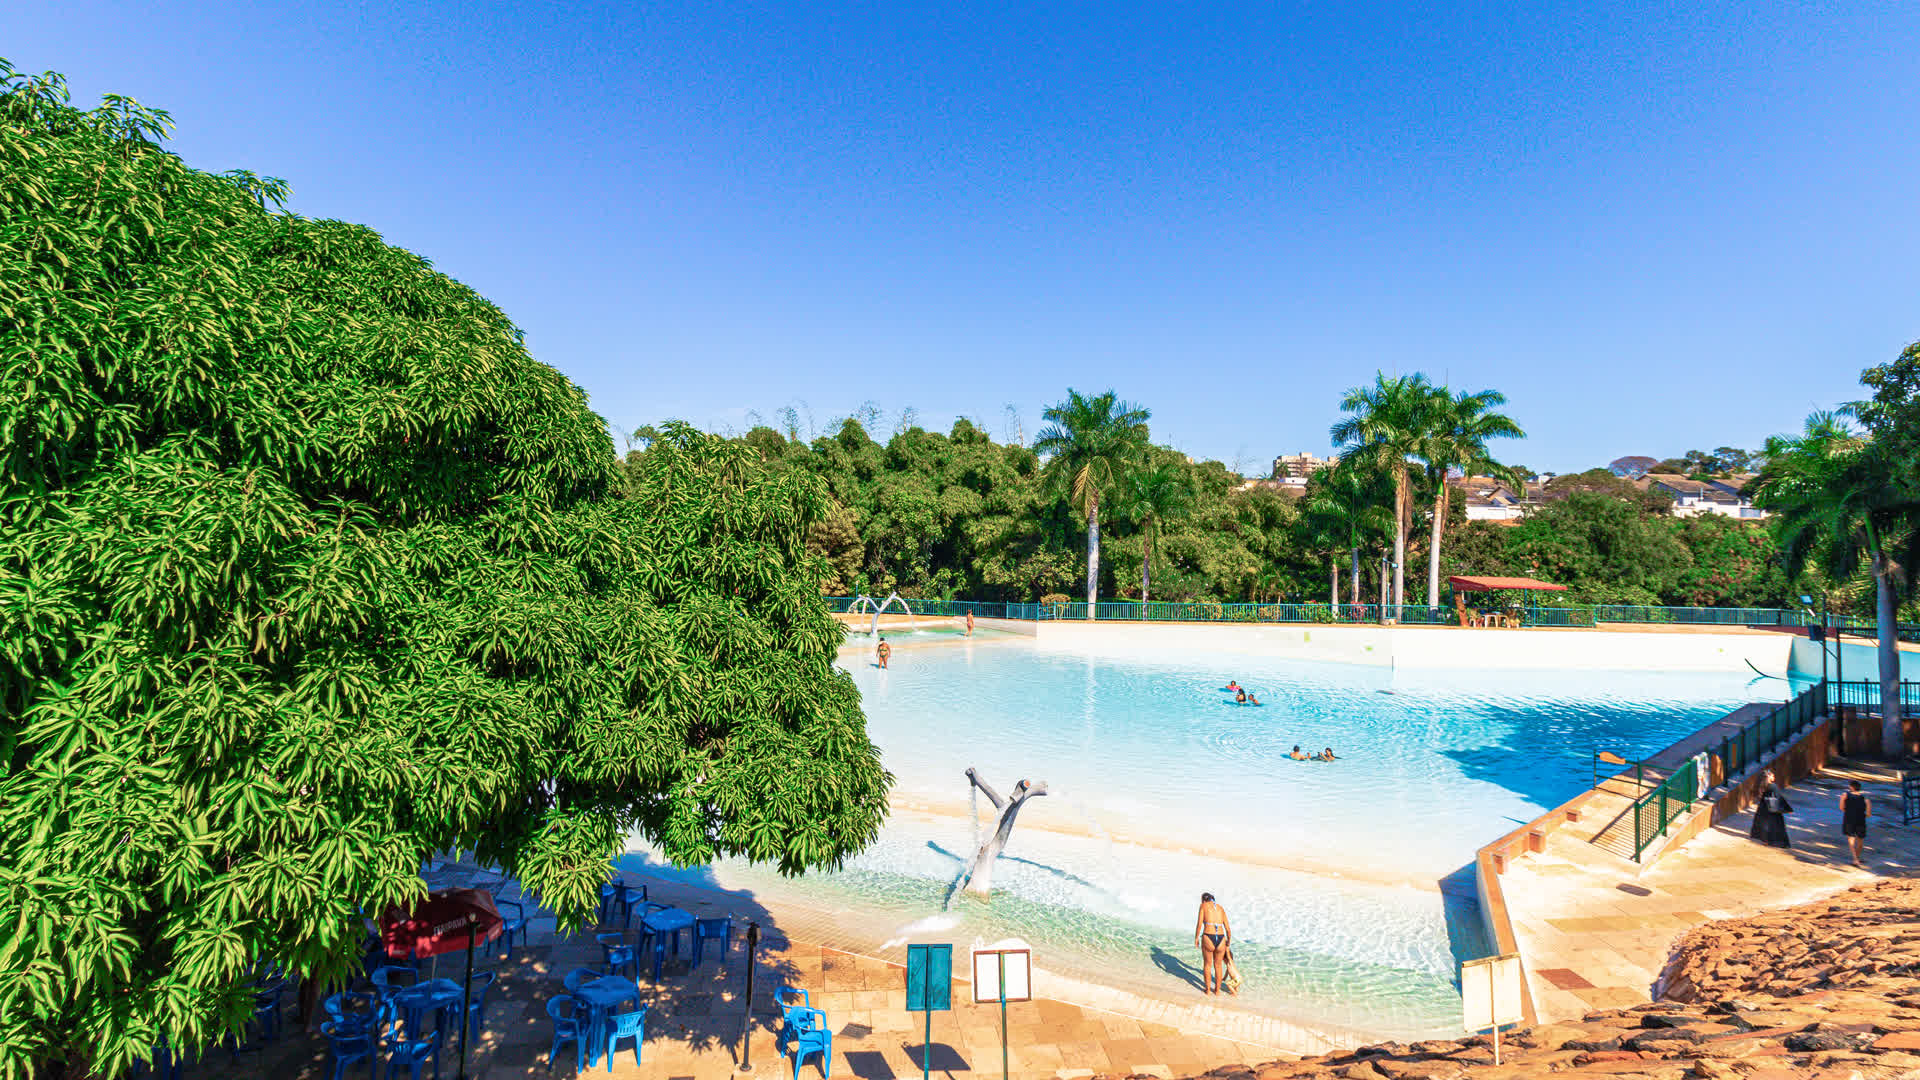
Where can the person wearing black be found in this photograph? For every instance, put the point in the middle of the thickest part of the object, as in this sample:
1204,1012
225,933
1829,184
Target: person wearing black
1770,816
1854,810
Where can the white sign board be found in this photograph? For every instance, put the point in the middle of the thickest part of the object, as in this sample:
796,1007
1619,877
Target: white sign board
1490,992
987,969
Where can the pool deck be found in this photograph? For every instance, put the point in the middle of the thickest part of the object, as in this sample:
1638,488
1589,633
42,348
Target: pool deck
695,1017
1595,929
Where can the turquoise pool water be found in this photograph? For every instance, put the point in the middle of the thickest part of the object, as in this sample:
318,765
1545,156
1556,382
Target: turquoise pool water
1161,787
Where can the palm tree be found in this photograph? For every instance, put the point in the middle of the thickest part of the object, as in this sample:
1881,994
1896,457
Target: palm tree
1088,442
1835,493
1457,437
1388,423
1153,494
1348,502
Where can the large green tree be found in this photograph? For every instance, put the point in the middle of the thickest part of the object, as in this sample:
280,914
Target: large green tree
1153,494
1388,423
1458,429
1087,444
310,571
1854,503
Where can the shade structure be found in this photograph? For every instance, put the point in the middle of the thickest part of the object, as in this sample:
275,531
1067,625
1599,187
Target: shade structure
438,924
1488,584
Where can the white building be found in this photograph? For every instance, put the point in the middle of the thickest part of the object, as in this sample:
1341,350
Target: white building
1692,498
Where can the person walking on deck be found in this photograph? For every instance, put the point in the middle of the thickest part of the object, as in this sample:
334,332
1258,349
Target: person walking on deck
1770,812
1855,808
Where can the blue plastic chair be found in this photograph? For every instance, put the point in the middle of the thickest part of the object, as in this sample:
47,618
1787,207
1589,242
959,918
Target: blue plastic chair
630,897
808,1032
580,977
477,989
510,924
349,1045
266,1008
712,929
626,1025
413,1055
567,1027
350,1009
609,896
383,979
620,955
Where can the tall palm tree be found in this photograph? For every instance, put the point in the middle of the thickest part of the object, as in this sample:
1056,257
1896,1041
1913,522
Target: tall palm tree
1850,499
1088,442
1153,494
1387,424
1349,502
1457,437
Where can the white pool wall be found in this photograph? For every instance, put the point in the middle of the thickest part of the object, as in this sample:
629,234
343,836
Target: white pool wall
1429,647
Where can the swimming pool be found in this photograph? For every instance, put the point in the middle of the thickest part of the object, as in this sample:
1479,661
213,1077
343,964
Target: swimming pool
1162,787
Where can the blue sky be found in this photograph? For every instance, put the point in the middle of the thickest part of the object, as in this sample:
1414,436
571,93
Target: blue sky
1652,229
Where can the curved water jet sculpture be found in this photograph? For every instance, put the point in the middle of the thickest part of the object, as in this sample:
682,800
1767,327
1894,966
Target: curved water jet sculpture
979,875
879,607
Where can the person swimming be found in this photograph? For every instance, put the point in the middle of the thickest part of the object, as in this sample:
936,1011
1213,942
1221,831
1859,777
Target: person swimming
1231,685
1327,754
1239,696
1251,700
1297,755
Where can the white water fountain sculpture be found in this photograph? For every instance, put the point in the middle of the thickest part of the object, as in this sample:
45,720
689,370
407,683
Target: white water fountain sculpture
880,606
979,876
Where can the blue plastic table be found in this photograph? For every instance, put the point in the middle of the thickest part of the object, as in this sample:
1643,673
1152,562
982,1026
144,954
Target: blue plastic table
600,996
667,922
415,1000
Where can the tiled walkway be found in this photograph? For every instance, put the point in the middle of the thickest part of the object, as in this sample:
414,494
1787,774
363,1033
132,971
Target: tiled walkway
696,1017
1595,931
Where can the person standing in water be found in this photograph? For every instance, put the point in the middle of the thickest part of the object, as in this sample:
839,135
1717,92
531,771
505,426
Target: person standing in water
883,651
1854,811
1213,935
969,622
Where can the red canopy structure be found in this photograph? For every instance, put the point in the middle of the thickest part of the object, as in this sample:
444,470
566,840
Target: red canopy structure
1488,584
439,924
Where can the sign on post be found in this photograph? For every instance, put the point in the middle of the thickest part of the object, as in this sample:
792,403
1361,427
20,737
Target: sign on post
929,978
929,990
1002,975
1490,995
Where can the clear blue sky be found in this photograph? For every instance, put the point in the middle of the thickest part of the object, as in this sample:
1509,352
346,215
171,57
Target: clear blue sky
1652,229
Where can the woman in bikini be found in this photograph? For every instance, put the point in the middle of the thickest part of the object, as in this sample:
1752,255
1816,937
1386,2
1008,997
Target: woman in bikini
1213,935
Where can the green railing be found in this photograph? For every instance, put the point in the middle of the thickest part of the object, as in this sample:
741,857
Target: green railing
1408,614
1865,694
1739,752
1643,613
1659,808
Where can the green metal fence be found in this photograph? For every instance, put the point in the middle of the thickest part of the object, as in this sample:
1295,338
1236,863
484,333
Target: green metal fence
1408,614
1865,694
1657,809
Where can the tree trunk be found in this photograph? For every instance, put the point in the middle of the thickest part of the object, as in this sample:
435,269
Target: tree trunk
1399,542
1892,736
1146,569
1433,557
1333,601
1355,576
1093,553
979,879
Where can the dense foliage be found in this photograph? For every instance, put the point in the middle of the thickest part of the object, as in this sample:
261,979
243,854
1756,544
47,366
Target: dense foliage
310,571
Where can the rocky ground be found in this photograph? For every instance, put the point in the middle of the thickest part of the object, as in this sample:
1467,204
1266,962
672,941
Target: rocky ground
1828,990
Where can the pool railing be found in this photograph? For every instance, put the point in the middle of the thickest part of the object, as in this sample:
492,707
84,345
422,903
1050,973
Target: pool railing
1206,611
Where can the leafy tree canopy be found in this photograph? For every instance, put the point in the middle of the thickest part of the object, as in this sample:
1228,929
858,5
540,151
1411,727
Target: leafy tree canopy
310,571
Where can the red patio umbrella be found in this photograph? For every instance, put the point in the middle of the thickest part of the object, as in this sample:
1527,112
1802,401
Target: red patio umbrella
446,921
438,924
